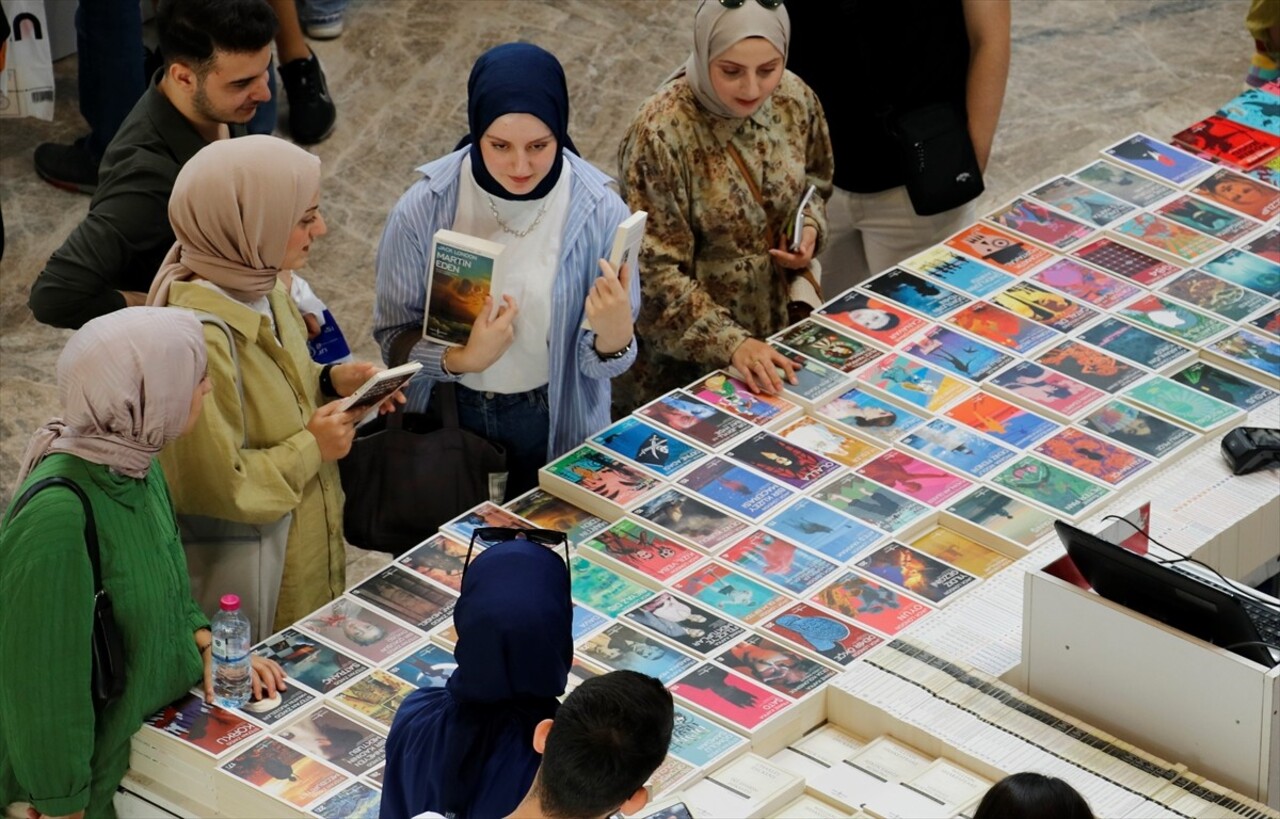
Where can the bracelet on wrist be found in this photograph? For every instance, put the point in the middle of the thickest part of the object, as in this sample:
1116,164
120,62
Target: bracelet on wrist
326,382
444,367
614,356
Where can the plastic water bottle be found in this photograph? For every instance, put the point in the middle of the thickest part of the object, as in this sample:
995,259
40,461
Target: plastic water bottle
232,681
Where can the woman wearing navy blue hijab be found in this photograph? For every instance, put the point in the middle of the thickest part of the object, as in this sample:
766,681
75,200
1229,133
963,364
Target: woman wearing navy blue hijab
467,750
530,376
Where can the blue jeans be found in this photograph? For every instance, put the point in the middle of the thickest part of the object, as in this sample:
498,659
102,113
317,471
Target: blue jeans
520,422
109,42
264,119
320,11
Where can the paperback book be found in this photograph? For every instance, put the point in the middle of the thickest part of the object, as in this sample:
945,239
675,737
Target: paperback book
734,699
1228,142
1255,107
1040,224
1043,306
596,481
1266,245
739,490
1241,194
602,590
878,320
1127,262
915,293
1095,457
1137,429
429,666
343,743
689,519
957,353
1247,270
377,696
1251,354
1045,390
1224,385
823,633
309,662
985,512
956,447
1136,189
360,631
1082,282
782,460
964,553
869,415
1168,237
621,647
829,346
1268,323
1090,365
723,391
440,559
627,240
546,511
776,666
407,596
701,742
871,503
732,593
1207,218
698,421
586,621
915,384
917,479
815,436
1050,486
1142,347
1215,295
697,629
1151,156
286,774
212,730
631,548
958,271
870,604
358,800
1008,423
998,249
1081,201
822,529
658,451
779,561
463,272
814,380
998,326
483,515
268,712
1172,319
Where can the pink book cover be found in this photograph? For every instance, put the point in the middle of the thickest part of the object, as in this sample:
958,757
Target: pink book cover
874,318
921,480
735,698
1046,388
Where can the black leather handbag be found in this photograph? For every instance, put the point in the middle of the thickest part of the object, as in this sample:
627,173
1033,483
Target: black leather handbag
941,166
107,646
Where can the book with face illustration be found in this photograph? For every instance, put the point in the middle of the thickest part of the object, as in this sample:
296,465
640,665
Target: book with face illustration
1247,270
879,320
1081,201
815,436
740,701
1159,159
309,661
829,346
1051,486
546,511
868,603
700,630
1127,262
1085,283
1142,347
1168,237
1003,329
1224,385
1138,429
723,391
642,550
1181,403
607,592
689,519
1241,194
1268,323
999,249
917,479
964,553
823,633
779,561
915,293
814,379
822,529
1172,319
1008,423
1033,220
1122,183
869,415
782,460
999,512
284,772
956,447
926,577
694,419
1043,306
917,384
1052,391
741,491
1207,218
772,664
622,647
957,353
361,631
1215,295
1090,365
958,271
1258,355
735,594
653,449
1094,456
871,502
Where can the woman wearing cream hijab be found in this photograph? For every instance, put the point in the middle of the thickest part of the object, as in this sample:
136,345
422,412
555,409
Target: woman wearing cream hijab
243,210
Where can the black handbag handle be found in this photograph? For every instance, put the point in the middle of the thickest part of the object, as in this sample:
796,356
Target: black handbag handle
90,528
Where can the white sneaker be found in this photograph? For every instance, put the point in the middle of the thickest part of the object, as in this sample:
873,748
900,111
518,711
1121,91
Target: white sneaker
327,30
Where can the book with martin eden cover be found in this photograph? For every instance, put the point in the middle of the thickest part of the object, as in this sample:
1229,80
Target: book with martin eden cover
463,272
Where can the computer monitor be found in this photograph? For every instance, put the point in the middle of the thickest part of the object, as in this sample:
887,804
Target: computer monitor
1163,594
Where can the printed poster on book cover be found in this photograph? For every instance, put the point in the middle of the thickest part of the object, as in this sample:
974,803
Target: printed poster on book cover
1182,403
361,631
1081,201
913,383
1142,347
657,451
1266,245
956,353
1268,323
1050,486
1224,385
776,666
997,418
870,416
1168,236
734,698
699,741
430,666
1247,270
694,419
1215,295
602,475
917,479
731,592
815,436
342,742
1003,514
824,633
1149,155
733,396
289,775
1085,283
546,511
813,378
870,604
308,661
962,552
685,516
822,529
1172,319
607,592
778,561
737,489
999,327
1240,193
829,346
958,271
1047,389
782,460
698,629
1090,365
956,447
377,696
1207,218
1039,223
622,647
871,502
874,318
999,249
356,801
1031,301
211,729
407,596
1122,183
1137,429
439,558
915,293
918,573
1092,455
1255,352
644,550
1127,262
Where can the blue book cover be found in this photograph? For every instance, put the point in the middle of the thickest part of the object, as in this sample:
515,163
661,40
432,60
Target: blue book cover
699,741
957,353
655,450
1255,108
915,293
735,488
823,529
330,347
958,271
957,447
1008,423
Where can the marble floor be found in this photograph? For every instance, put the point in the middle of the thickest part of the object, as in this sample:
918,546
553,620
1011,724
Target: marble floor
1084,73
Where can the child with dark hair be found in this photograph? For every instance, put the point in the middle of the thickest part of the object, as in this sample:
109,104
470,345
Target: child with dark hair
1031,794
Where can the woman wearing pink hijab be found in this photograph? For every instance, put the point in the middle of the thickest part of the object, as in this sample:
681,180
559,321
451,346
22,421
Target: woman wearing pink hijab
129,382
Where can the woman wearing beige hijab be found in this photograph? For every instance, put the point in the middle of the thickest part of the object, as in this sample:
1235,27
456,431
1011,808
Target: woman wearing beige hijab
129,382
242,211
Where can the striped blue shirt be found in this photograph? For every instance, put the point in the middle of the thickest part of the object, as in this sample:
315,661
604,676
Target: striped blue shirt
578,387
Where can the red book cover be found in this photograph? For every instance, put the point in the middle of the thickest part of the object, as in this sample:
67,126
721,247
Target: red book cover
1229,142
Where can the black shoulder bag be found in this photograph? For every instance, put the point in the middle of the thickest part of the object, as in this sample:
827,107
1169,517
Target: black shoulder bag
942,169
107,646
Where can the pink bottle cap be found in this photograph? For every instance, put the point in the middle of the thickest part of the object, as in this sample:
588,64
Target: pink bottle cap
230,602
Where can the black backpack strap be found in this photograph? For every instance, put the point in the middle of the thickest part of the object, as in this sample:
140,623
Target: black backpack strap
90,528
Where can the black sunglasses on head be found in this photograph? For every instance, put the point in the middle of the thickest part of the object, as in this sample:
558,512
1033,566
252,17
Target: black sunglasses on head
737,4
500,534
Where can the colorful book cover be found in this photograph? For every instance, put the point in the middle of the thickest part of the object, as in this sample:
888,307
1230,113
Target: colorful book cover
917,384
1172,319
874,318
408,597
1011,424
1268,173
290,776
694,419
962,552
783,669
1090,365
1252,350
1031,301
1133,188
697,629
1081,201
1228,142
440,559
356,801
826,634
268,712
870,604
1167,236
621,647
644,550
377,696
958,271
603,475
922,575
915,293
957,447
999,249
1044,388
360,631
1092,455
816,436
782,460
831,347
460,277
1126,261
1224,385
685,516
1266,245
1003,328
822,529
546,511
917,479
739,490
813,378
957,353
1038,223
1207,218
1051,486
1241,194
1246,270
483,515
657,451
213,730
870,415
1006,516
1137,429
1086,284
1159,159
430,666
333,738
1255,108
736,699
1268,323
723,391
1218,296
607,592
310,662
699,741
779,561
871,503
586,621
1142,347
731,592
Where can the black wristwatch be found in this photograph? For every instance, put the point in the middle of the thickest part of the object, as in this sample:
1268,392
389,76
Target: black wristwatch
614,356
326,382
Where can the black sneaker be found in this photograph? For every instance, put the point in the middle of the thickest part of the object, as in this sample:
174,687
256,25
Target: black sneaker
70,167
311,110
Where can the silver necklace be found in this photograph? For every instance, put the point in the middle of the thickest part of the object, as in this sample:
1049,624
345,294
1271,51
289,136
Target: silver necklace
519,234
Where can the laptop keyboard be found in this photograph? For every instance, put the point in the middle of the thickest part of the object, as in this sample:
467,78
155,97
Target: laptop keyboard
1265,617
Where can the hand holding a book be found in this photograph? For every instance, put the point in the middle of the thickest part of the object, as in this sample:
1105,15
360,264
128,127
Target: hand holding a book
608,308
334,430
490,337
349,377
799,259
759,364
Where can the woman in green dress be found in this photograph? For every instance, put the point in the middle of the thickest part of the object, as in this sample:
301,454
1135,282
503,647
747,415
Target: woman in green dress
129,383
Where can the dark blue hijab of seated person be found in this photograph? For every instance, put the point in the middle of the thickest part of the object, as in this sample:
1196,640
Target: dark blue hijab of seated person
517,78
467,749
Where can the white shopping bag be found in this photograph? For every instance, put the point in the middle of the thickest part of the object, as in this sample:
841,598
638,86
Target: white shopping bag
26,68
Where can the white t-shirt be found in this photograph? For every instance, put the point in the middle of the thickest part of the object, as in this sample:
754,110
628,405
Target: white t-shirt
529,263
